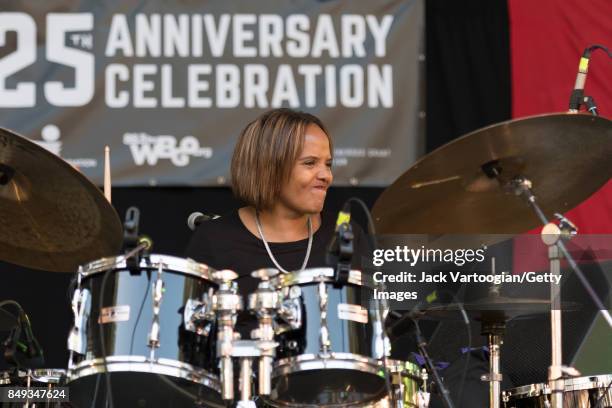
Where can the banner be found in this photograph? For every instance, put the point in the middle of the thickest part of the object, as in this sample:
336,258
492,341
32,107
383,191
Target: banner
170,85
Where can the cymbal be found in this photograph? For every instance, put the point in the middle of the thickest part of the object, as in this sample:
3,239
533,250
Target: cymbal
51,216
453,190
494,307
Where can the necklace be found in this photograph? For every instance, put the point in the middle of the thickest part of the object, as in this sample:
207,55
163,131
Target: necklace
280,268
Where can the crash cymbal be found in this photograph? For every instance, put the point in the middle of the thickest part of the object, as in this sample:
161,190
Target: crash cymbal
51,216
455,189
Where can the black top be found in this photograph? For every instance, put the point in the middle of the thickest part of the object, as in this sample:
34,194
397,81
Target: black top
225,243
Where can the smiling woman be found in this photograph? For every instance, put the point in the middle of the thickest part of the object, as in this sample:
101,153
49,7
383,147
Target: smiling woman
281,170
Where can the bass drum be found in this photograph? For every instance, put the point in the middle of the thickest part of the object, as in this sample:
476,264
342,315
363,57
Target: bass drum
580,392
48,378
330,354
171,369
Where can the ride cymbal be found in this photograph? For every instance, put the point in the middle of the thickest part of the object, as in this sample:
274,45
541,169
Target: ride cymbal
463,187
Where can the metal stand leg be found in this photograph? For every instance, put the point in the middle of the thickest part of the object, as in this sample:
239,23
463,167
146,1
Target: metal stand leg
555,376
493,326
494,370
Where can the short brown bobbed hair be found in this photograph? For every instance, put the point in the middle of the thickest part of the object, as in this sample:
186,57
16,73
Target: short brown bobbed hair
265,154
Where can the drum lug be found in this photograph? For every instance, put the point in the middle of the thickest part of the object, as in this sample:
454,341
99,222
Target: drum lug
290,312
423,399
81,307
324,334
197,316
158,295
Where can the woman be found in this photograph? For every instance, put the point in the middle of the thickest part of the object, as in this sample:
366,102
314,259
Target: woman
281,169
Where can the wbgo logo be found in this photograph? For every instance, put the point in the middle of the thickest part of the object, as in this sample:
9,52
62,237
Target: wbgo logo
150,149
58,25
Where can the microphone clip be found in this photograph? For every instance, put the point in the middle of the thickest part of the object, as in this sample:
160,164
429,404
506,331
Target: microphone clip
344,253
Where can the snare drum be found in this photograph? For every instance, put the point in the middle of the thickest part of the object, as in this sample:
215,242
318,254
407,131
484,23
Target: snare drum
48,378
153,341
580,392
329,354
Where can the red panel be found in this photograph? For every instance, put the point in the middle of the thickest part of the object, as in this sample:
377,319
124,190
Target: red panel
547,38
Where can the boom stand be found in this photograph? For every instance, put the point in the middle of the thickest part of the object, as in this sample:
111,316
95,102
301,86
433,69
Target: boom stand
551,235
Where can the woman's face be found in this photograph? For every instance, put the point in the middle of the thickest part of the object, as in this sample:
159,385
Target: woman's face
311,175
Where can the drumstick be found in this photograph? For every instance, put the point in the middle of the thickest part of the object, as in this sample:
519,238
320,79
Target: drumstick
107,174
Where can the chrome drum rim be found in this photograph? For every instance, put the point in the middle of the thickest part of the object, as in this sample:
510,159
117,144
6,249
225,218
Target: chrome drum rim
137,364
309,362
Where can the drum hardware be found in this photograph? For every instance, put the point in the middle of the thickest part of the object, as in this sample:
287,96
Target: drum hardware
340,250
493,325
290,310
226,304
81,307
494,330
553,236
324,340
422,346
158,294
264,303
183,361
246,373
198,316
579,392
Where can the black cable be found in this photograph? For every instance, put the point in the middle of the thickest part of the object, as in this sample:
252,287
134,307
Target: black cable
379,312
95,396
143,246
422,344
12,303
469,333
599,47
602,396
24,320
144,298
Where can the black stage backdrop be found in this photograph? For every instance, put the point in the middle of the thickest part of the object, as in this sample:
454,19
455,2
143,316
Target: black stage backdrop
467,87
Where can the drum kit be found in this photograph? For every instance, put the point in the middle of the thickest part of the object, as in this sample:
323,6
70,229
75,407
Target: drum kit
153,330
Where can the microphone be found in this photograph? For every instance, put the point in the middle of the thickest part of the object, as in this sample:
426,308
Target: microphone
130,228
340,249
21,347
196,218
577,96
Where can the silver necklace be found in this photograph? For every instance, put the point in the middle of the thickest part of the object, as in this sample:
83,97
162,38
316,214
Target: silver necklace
280,268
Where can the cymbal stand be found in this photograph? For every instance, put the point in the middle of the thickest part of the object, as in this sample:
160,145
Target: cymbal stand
522,186
552,236
494,327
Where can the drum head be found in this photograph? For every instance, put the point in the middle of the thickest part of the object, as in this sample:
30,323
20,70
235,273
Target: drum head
135,389
329,388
